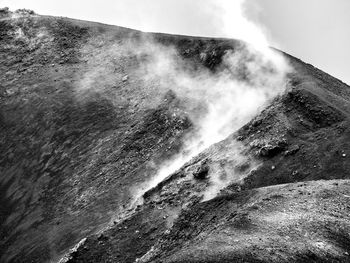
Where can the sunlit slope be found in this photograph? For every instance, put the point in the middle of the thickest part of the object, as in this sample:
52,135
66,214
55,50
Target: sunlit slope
82,123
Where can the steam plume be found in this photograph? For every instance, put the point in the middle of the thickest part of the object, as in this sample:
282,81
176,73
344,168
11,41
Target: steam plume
230,101
249,79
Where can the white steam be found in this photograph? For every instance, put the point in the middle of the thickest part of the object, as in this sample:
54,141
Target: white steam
230,101
249,78
236,25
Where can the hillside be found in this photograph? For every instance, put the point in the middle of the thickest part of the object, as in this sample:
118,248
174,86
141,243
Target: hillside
90,113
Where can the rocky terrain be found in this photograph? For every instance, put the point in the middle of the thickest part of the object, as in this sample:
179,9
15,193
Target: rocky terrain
84,125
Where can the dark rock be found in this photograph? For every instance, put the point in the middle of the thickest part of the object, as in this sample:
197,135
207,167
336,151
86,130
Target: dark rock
293,150
102,237
240,138
4,11
271,150
24,11
243,167
201,172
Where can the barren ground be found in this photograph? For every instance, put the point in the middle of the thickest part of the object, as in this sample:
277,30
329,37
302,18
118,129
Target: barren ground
69,156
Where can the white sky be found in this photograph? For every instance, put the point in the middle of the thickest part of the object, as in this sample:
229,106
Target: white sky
317,31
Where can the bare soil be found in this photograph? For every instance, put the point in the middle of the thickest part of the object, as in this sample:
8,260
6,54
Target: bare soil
70,155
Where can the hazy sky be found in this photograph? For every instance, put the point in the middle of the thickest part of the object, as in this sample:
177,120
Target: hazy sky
317,31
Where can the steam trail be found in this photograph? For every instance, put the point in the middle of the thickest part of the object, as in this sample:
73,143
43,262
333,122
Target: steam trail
230,99
231,102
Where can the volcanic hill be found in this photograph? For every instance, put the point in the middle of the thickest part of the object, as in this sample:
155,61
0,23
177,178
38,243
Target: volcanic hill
83,126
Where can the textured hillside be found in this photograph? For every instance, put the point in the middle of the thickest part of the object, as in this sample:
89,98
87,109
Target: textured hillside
84,124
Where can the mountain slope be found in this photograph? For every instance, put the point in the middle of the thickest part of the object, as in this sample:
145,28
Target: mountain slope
82,124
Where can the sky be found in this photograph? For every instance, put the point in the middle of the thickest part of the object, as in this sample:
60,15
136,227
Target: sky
316,31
